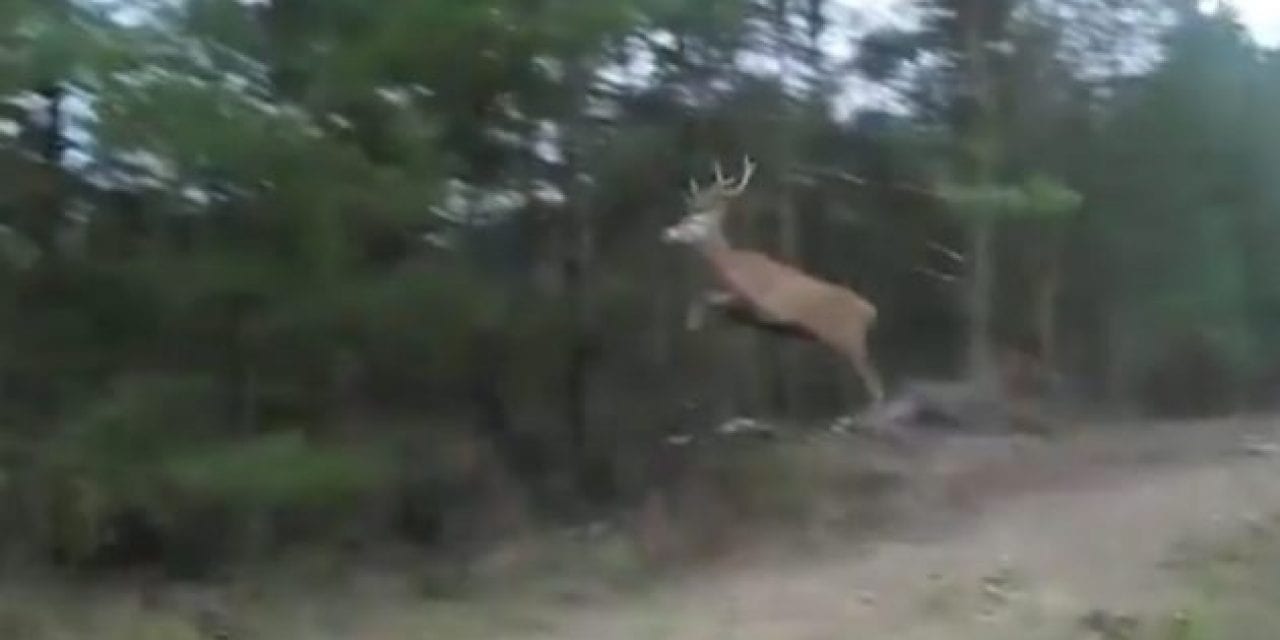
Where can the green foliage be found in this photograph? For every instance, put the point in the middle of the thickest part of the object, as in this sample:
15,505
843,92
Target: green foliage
388,316
1176,219
18,251
1039,197
983,200
1049,198
150,455
105,463
276,471
40,41
261,223
133,425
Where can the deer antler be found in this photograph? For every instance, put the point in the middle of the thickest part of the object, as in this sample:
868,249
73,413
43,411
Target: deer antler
723,187
748,171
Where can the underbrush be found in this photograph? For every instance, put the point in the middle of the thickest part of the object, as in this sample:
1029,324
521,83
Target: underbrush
723,496
798,486
148,475
142,497
144,476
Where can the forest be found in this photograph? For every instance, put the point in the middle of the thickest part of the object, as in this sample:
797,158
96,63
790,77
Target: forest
336,272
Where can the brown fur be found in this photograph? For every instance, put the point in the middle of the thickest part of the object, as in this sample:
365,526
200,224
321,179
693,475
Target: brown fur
780,294
774,295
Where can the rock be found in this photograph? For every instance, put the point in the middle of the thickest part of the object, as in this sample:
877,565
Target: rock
995,593
741,427
680,440
1109,625
1261,449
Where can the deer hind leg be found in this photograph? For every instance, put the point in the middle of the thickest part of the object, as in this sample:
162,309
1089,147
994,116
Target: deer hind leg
866,370
852,344
696,315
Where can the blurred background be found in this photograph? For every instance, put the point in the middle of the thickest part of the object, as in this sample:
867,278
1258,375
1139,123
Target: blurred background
349,274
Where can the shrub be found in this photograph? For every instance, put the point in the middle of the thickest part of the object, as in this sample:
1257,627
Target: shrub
145,475
94,485
274,471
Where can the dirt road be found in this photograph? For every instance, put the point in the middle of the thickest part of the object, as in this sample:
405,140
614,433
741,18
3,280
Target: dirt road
1046,534
1000,538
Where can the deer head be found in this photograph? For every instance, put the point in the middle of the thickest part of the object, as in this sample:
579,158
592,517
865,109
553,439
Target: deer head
708,205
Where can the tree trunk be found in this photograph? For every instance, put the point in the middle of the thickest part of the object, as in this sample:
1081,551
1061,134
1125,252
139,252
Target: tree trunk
577,372
493,420
579,269
980,136
981,286
790,366
1046,310
788,370
243,376
50,147
1117,368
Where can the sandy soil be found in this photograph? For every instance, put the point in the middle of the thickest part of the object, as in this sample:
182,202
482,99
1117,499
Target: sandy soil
999,538
1042,534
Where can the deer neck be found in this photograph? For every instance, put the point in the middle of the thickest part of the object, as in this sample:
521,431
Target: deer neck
715,244
718,254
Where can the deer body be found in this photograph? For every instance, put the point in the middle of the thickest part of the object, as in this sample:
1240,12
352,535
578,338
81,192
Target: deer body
775,296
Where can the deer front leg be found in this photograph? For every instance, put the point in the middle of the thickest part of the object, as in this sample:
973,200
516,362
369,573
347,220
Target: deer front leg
696,316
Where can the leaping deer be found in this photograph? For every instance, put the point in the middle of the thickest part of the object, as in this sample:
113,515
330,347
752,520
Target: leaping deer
761,291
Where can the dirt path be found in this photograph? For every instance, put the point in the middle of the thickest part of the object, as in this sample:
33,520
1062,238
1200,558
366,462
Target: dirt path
1001,538
1054,532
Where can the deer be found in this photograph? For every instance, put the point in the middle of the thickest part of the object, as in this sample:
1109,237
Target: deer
759,291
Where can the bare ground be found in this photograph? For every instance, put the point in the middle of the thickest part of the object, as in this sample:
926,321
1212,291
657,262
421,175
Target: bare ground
1002,538
1045,534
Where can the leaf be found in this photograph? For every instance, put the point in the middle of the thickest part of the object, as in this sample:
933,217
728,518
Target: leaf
1046,197
17,249
275,470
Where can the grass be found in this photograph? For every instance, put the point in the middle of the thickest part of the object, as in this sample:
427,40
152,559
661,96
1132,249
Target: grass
1235,586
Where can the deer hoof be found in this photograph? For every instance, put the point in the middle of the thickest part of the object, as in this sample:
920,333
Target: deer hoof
693,322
